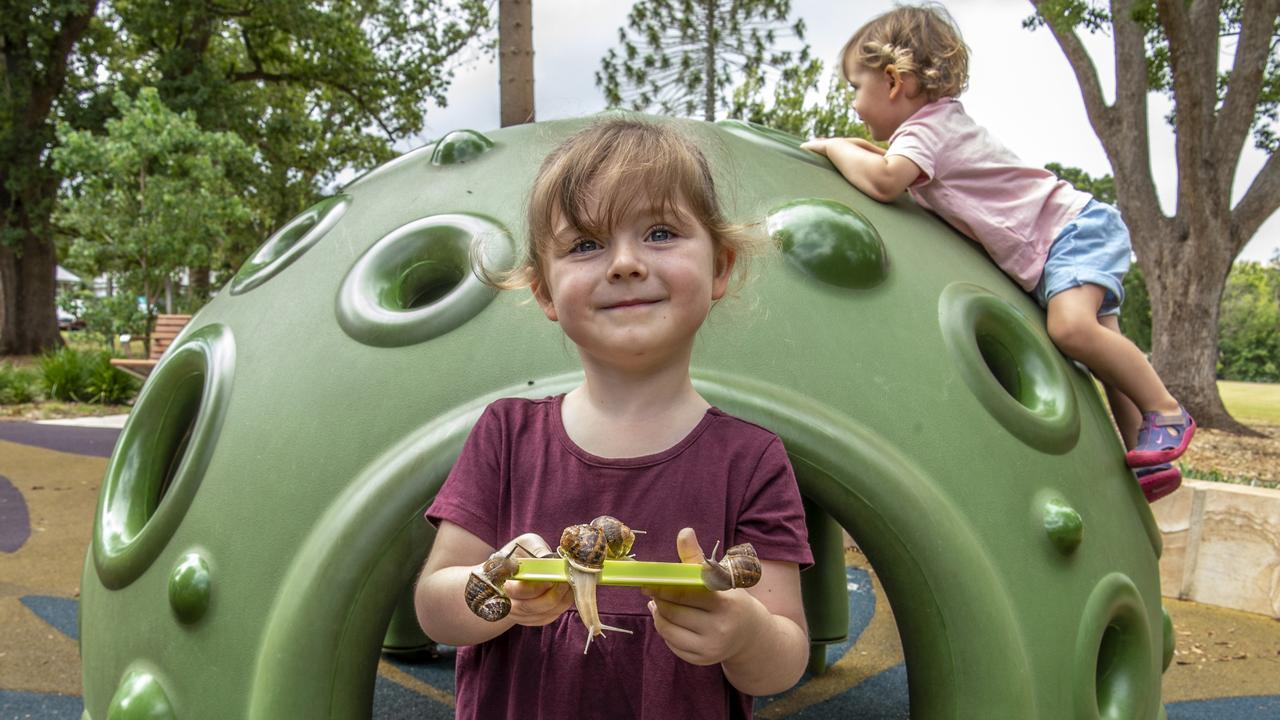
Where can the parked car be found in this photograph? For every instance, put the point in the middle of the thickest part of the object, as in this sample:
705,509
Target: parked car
67,321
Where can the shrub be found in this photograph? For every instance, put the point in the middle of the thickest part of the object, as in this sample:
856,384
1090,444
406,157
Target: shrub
107,384
18,385
65,373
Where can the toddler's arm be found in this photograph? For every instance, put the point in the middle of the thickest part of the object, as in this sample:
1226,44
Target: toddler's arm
440,601
882,177
759,635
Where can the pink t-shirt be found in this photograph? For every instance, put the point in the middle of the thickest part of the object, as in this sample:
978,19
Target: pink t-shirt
982,189
520,472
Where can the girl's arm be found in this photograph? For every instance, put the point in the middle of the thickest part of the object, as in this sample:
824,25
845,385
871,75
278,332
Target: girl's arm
866,167
759,636
439,596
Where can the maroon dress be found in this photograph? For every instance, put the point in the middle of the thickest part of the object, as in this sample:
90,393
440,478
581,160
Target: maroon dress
519,472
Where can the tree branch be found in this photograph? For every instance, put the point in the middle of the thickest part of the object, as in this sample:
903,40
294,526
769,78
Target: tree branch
1248,69
1260,202
1100,116
55,64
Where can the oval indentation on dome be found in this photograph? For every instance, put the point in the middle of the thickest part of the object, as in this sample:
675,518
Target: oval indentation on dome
289,243
773,139
460,146
162,454
1115,668
830,242
1009,364
418,282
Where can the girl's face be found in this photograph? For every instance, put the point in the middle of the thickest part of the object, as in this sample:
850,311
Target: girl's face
636,298
878,96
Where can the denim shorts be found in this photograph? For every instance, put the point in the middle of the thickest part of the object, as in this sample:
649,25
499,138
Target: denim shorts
1093,248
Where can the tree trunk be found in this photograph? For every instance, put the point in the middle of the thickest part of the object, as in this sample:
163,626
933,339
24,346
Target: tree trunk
28,297
1185,280
709,64
198,285
515,61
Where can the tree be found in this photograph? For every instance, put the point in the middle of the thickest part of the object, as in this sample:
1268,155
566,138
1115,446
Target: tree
515,61
150,196
1251,324
38,41
677,55
1172,46
791,111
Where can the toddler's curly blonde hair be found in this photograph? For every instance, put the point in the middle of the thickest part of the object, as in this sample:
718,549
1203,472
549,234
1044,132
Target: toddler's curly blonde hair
922,40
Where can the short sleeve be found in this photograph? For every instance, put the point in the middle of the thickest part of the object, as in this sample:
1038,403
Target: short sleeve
467,497
772,516
918,142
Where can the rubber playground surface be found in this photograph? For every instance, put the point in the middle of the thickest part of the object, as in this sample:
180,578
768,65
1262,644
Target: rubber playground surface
1226,664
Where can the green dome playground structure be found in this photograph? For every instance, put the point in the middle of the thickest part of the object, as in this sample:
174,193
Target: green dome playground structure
260,522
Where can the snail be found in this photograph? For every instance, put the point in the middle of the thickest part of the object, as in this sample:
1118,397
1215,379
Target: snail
484,594
585,548
739,568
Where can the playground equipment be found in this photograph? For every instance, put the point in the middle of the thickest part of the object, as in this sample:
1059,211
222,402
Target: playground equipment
261,518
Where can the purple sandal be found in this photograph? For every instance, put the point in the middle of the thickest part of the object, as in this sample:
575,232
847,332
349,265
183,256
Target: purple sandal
1158,481
1161,439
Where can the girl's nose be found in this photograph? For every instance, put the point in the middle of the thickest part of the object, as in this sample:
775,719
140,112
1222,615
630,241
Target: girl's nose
626,263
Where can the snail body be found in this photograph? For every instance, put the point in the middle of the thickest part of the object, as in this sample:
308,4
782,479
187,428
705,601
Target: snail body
483,593
739,568
585,548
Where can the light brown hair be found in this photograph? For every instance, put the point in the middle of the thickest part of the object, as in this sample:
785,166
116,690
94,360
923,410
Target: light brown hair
922,40
623,162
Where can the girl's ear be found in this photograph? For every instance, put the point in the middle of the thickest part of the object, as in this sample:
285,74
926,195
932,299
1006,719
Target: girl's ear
902,84
725,258
542,294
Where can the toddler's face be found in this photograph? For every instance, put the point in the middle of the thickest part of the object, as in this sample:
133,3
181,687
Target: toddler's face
639,296
872,102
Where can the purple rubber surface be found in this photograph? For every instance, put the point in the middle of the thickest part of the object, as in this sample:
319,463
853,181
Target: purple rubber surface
98,442
15,522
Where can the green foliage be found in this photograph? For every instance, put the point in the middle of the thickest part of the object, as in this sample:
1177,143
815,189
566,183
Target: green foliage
790,110
65,373
149,196
662,60
74,376
1249,324
107,318
1103,188
1135,313
18,385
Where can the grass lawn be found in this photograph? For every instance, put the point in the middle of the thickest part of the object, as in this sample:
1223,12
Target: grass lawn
1251,402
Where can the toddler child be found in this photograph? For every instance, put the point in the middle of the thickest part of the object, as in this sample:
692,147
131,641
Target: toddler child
906,67
627,252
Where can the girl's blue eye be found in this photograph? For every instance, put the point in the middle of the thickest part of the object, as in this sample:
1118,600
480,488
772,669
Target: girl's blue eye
660,234
584,245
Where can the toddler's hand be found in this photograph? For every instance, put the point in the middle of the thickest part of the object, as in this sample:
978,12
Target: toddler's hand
818,145
703,627
537,603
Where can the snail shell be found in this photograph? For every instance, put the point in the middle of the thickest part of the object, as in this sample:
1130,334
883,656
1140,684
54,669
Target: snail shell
618,537
584,546
500,567
486,600
739,568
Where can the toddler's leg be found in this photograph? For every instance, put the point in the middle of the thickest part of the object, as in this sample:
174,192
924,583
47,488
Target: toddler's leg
1128,416
1076,330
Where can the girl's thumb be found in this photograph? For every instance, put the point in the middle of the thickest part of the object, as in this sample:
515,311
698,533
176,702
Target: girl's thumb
688,548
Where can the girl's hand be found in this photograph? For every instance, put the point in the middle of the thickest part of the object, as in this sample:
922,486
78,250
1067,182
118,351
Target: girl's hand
703,627
537,603
818,145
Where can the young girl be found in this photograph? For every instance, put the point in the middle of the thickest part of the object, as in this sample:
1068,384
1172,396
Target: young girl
907,66
627,251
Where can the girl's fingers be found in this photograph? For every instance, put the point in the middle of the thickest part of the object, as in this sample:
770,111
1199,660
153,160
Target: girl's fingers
524,589
682,641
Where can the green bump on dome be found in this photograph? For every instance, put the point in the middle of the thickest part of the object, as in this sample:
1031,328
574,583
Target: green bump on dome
831,242
1168,639
189,588
1063,525
460,146
140,697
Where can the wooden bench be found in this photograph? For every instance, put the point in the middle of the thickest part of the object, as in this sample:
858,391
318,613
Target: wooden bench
167,328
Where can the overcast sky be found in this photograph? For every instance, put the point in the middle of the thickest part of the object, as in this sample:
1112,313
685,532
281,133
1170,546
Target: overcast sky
1021,87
